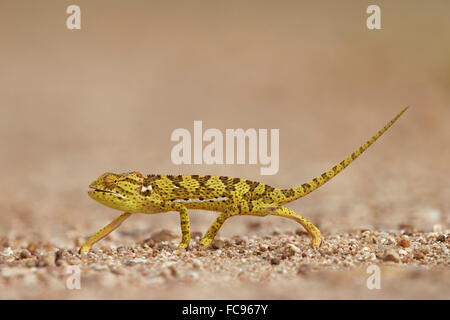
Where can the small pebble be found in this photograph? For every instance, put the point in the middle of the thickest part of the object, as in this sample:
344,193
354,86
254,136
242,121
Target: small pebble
7,252
418,255
196,264
218,244
275,261
121,249
290,250
46,260
391,255
58,258
24,254
32,248
31,263
403,243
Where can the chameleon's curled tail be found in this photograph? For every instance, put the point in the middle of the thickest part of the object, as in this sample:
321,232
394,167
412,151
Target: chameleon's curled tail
300,191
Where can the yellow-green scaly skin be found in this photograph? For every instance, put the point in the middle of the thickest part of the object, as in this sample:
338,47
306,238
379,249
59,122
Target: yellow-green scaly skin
135,193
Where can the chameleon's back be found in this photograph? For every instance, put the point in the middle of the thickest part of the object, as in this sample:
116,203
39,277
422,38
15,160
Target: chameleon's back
205,191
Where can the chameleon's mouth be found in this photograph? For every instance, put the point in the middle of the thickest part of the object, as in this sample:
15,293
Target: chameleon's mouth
107,191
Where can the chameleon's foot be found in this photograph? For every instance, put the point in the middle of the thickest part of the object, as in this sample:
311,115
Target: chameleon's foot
103,232
204,243
316,242
85,248
183,245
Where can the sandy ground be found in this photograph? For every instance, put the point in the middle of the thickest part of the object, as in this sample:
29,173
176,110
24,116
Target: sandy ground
281,266
75,104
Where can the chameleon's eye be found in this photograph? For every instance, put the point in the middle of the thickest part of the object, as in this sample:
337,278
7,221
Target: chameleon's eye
111,181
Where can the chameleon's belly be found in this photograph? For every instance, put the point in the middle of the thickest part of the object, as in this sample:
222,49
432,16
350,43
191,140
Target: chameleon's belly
212,205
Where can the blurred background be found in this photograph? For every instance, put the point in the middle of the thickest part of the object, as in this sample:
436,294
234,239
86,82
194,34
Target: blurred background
77,103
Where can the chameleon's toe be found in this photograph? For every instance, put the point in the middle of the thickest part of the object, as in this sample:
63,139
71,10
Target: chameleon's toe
204,243
183,245
316,242
85,249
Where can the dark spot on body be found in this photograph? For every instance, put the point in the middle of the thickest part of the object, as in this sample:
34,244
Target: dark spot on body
288,193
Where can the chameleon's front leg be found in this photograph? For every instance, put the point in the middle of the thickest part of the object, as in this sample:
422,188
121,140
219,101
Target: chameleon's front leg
184,222
104,232
157,205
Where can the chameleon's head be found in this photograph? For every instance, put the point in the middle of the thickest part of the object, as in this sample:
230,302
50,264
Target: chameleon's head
118,191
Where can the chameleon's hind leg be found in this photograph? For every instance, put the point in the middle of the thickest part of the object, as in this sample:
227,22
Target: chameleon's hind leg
103,232
310,228
255,208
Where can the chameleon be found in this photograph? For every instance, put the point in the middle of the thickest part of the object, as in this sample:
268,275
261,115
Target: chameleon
134,192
